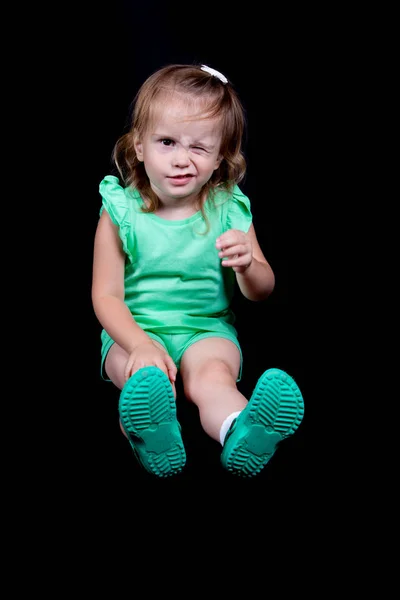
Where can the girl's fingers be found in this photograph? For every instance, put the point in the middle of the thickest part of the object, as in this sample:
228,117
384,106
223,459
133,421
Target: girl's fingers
168,367
236,261
171,375
172,370
238,250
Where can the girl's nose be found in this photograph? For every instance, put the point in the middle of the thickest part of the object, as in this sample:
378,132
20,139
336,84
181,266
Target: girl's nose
181,157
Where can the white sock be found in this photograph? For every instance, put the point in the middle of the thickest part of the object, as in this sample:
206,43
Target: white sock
225,426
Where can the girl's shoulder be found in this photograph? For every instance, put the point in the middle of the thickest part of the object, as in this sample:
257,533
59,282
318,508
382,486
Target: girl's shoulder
235,208
116,199
119,202
111,189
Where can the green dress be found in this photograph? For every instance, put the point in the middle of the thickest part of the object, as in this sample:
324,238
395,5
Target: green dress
174,281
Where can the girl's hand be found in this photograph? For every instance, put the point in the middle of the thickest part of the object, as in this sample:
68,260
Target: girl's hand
236,249
148,354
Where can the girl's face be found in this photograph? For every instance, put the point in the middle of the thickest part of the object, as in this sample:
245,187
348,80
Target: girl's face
180,154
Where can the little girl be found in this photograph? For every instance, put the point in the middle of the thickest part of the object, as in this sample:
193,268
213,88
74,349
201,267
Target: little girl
174,233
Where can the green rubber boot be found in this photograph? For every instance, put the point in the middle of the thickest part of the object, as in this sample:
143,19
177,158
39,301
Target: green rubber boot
274,412
147,412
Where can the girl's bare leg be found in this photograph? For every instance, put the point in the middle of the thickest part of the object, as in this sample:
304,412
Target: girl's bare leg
274,412
209,370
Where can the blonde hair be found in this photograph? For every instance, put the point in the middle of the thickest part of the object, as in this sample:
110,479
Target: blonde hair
214,100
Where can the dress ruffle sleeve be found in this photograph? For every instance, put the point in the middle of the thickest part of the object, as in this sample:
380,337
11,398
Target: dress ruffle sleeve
119,207
239,212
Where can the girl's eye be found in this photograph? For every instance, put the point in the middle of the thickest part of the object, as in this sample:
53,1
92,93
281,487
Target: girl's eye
167,142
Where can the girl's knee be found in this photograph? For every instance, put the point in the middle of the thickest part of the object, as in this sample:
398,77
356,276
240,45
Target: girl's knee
210,373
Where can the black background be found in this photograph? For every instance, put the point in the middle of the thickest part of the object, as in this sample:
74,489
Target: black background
275,60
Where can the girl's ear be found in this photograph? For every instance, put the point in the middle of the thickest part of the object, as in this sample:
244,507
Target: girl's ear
138,147
218,161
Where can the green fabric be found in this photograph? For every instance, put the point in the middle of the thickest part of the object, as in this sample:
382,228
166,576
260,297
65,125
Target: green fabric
174,281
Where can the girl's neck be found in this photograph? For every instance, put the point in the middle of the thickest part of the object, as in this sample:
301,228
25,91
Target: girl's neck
177,212
179,209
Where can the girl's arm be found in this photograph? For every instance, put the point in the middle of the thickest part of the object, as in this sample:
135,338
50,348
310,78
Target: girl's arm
254,275
108,288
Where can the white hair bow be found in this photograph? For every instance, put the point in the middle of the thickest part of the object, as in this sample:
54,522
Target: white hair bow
215,73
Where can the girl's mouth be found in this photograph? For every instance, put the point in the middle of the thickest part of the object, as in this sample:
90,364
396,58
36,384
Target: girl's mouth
180,179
